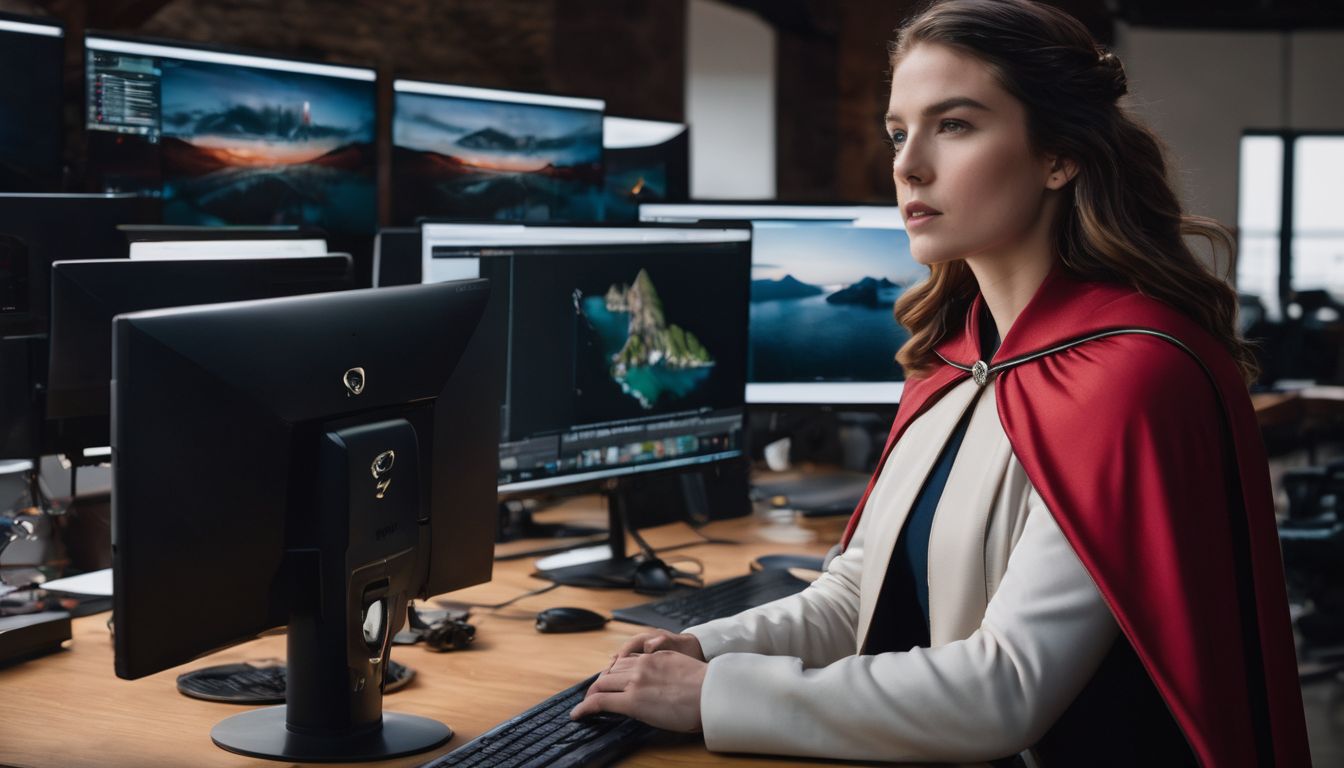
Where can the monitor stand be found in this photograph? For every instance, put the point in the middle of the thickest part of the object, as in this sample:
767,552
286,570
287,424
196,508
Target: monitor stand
617,572
350,585
516,522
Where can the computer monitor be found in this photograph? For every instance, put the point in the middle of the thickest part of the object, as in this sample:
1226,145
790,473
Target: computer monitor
477,153
226,242
36,230
86,295
314,461
232,138
32,56
626,357
647,161
396,256
824,279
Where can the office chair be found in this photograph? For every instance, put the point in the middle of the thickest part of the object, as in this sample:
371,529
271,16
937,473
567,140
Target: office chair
1312,537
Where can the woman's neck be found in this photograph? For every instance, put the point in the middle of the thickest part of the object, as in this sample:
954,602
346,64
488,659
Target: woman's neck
1007,288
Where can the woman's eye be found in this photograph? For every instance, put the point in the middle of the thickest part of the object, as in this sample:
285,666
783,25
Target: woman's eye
955,126
897,138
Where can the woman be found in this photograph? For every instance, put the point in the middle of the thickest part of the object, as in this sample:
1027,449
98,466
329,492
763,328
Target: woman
1069,547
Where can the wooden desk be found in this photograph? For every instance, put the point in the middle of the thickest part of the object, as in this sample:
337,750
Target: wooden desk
1309,414
70,710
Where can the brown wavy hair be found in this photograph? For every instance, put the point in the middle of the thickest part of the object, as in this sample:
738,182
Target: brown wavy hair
1126,224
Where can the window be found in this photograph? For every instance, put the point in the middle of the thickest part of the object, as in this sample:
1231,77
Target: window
1310,166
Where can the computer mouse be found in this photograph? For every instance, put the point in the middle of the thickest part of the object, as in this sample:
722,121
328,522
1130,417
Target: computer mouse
654,577
569,620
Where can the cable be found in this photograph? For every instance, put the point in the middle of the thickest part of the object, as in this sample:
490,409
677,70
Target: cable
495,606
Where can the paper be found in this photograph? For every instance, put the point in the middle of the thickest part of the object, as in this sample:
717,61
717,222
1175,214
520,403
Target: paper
95,583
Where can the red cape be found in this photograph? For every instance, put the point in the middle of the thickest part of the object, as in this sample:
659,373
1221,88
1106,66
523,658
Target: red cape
1174,521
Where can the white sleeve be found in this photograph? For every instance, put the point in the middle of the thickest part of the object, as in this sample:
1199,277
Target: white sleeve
815,626
1045,633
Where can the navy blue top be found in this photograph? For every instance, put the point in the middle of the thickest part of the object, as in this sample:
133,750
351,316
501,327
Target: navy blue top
905,591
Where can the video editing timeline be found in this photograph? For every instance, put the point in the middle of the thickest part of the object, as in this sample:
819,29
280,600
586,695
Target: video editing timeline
824,281
622,356
489,154
31,57
229,138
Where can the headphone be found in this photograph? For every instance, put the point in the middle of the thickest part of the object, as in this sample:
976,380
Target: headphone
448,635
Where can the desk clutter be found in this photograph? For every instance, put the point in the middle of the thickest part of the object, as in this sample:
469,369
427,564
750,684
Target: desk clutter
507,670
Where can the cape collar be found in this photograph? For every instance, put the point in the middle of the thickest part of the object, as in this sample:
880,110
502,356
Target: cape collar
1062,310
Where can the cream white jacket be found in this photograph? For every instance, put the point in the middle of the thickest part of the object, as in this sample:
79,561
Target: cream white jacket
1017,625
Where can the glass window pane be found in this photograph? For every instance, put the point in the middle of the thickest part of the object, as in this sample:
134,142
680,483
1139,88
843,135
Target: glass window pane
1258,271
1261,185
1318,214
1259,209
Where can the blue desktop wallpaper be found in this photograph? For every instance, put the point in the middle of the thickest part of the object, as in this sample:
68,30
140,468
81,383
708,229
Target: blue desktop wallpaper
821,302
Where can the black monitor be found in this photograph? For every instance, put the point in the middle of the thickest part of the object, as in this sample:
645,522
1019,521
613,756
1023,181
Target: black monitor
647,161
478,153
232,138
314,462
626,359
35,231
824,280
32,56
396,256
86,295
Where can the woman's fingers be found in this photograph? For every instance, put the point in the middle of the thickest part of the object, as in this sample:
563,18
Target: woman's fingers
601,702
662,689
635,644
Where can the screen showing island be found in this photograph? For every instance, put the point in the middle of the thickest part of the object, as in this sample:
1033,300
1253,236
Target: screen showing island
228,138
475,153
619,357
821,301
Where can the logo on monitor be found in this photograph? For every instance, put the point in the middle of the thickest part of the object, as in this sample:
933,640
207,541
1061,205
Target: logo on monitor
354,381
381,469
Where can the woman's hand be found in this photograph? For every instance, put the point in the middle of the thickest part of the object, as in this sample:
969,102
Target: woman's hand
661,689
662,640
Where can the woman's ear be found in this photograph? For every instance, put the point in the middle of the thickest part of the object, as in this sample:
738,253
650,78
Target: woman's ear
1061,171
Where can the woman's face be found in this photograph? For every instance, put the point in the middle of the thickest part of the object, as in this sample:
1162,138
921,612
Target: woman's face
961,148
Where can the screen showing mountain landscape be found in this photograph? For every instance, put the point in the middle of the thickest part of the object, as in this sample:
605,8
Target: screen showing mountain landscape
821,302
629,184
473,158
258,146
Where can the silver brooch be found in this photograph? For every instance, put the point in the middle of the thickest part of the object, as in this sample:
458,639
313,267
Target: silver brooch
980,372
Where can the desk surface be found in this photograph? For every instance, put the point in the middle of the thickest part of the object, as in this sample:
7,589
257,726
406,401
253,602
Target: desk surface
70,710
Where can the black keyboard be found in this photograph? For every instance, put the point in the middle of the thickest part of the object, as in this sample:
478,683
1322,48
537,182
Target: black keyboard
545,736
725,598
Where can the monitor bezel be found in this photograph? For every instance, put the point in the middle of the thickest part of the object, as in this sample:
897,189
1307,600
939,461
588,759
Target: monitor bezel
27,24
368,73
